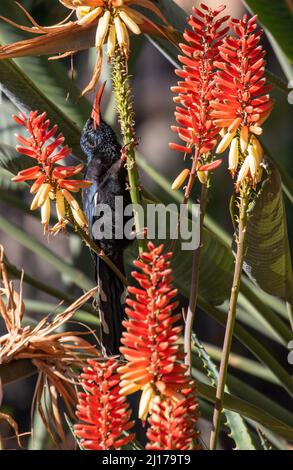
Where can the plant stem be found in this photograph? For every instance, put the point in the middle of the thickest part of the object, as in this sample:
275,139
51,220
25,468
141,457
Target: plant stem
124,104
231,319
194,282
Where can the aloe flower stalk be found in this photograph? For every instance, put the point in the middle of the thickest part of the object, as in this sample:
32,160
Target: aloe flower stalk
151,338
51,181
103,413
242,103
195,125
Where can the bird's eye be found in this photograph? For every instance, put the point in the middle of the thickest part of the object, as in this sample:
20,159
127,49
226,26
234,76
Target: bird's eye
90,145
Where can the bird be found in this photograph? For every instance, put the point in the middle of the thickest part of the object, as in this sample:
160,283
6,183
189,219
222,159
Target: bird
106,170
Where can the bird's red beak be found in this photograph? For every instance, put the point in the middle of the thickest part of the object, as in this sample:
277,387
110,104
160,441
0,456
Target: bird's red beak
96,112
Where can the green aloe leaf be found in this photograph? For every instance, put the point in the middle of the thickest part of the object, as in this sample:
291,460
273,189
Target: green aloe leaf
239,430
243,407
277,18
253,345
267,259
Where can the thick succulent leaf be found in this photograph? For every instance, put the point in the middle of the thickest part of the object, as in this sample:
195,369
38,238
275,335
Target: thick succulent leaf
254,345
277,18
243,407
238,428
216,267
268,260
215,272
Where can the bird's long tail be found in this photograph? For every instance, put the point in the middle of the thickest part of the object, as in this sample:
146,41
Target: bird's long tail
111,304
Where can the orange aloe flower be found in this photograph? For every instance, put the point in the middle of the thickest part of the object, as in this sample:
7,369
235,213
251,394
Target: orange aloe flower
103,413
51,181
150,341
173,425
195,125
98,22
242,102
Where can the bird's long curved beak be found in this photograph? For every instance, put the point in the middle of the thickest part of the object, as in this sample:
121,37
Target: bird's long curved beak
96,112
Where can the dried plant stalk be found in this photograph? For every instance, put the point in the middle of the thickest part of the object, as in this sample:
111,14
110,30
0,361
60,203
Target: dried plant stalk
56,355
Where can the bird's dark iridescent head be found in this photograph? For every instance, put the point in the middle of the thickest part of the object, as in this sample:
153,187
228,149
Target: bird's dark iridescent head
98,140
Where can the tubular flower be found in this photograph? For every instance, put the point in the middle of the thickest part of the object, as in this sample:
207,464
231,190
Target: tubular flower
51,181
196,127
103,412
242,102
115,20
98,22
173,425
150,340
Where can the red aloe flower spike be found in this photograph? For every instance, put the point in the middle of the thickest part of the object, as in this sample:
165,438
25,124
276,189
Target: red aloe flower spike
242,103
173,425
150,341
196,128
103,413
49,178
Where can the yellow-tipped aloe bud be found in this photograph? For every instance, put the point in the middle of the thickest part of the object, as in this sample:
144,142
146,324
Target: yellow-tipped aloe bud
70,199
145,401
129,388
225,142
60,205
130,23
102,28
80,218
111,44
234,156
35,202
45,212
86,16
127,40
178,182
46,188
243,173
255,153
122,35
244,138
257,149
202,176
